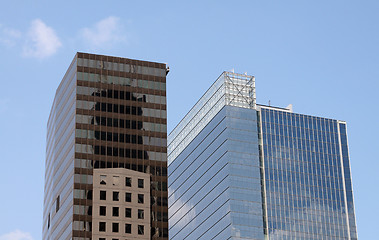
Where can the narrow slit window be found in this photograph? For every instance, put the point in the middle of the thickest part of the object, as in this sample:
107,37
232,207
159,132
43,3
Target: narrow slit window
141,230
103,195
128,228
128,197
116,180
128,181
103,179
141,214
140,198
140,183
116,196
115,211
57,204
103,211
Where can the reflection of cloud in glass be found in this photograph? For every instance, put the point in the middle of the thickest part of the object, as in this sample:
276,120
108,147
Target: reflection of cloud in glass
314,223
178,219
304,181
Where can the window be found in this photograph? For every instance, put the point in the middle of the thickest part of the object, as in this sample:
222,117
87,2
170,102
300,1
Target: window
57,204
128,181
116,196
140,198
102,239
140,183
162,201
116,180
115,212
162,216
141,214
89,194
141,230
128,228
164,171
103,211
103,179
114,227
102,227
128,197
103,195
128,212
164,186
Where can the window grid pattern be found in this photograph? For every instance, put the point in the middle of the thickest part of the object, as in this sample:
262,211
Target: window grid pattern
303,177
120,123
60,148
116,205
214,184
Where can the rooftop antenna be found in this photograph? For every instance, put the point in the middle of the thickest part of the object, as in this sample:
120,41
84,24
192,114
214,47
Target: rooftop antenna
290,107
167,69
269,103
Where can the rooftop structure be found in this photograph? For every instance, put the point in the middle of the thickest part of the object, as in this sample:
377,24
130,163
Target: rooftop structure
239,170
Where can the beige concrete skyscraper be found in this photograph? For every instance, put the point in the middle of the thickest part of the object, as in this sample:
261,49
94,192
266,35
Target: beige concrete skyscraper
106,167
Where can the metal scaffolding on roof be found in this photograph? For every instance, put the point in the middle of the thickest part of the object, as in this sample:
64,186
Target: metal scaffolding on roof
231,89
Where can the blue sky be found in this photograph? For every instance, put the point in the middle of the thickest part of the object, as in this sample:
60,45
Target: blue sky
321,56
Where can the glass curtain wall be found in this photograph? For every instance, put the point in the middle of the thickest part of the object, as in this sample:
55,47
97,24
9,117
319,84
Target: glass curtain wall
304,177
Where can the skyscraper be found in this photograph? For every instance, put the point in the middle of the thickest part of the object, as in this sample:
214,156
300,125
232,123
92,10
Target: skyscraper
106,167
240,170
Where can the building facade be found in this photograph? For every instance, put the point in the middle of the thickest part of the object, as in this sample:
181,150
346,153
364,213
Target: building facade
106,155
239,170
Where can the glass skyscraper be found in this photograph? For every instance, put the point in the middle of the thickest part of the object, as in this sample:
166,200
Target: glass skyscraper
307,190
239,170
106,154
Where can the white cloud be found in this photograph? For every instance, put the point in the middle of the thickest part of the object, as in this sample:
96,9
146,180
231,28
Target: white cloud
9,36
16,235
41,40
104,33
